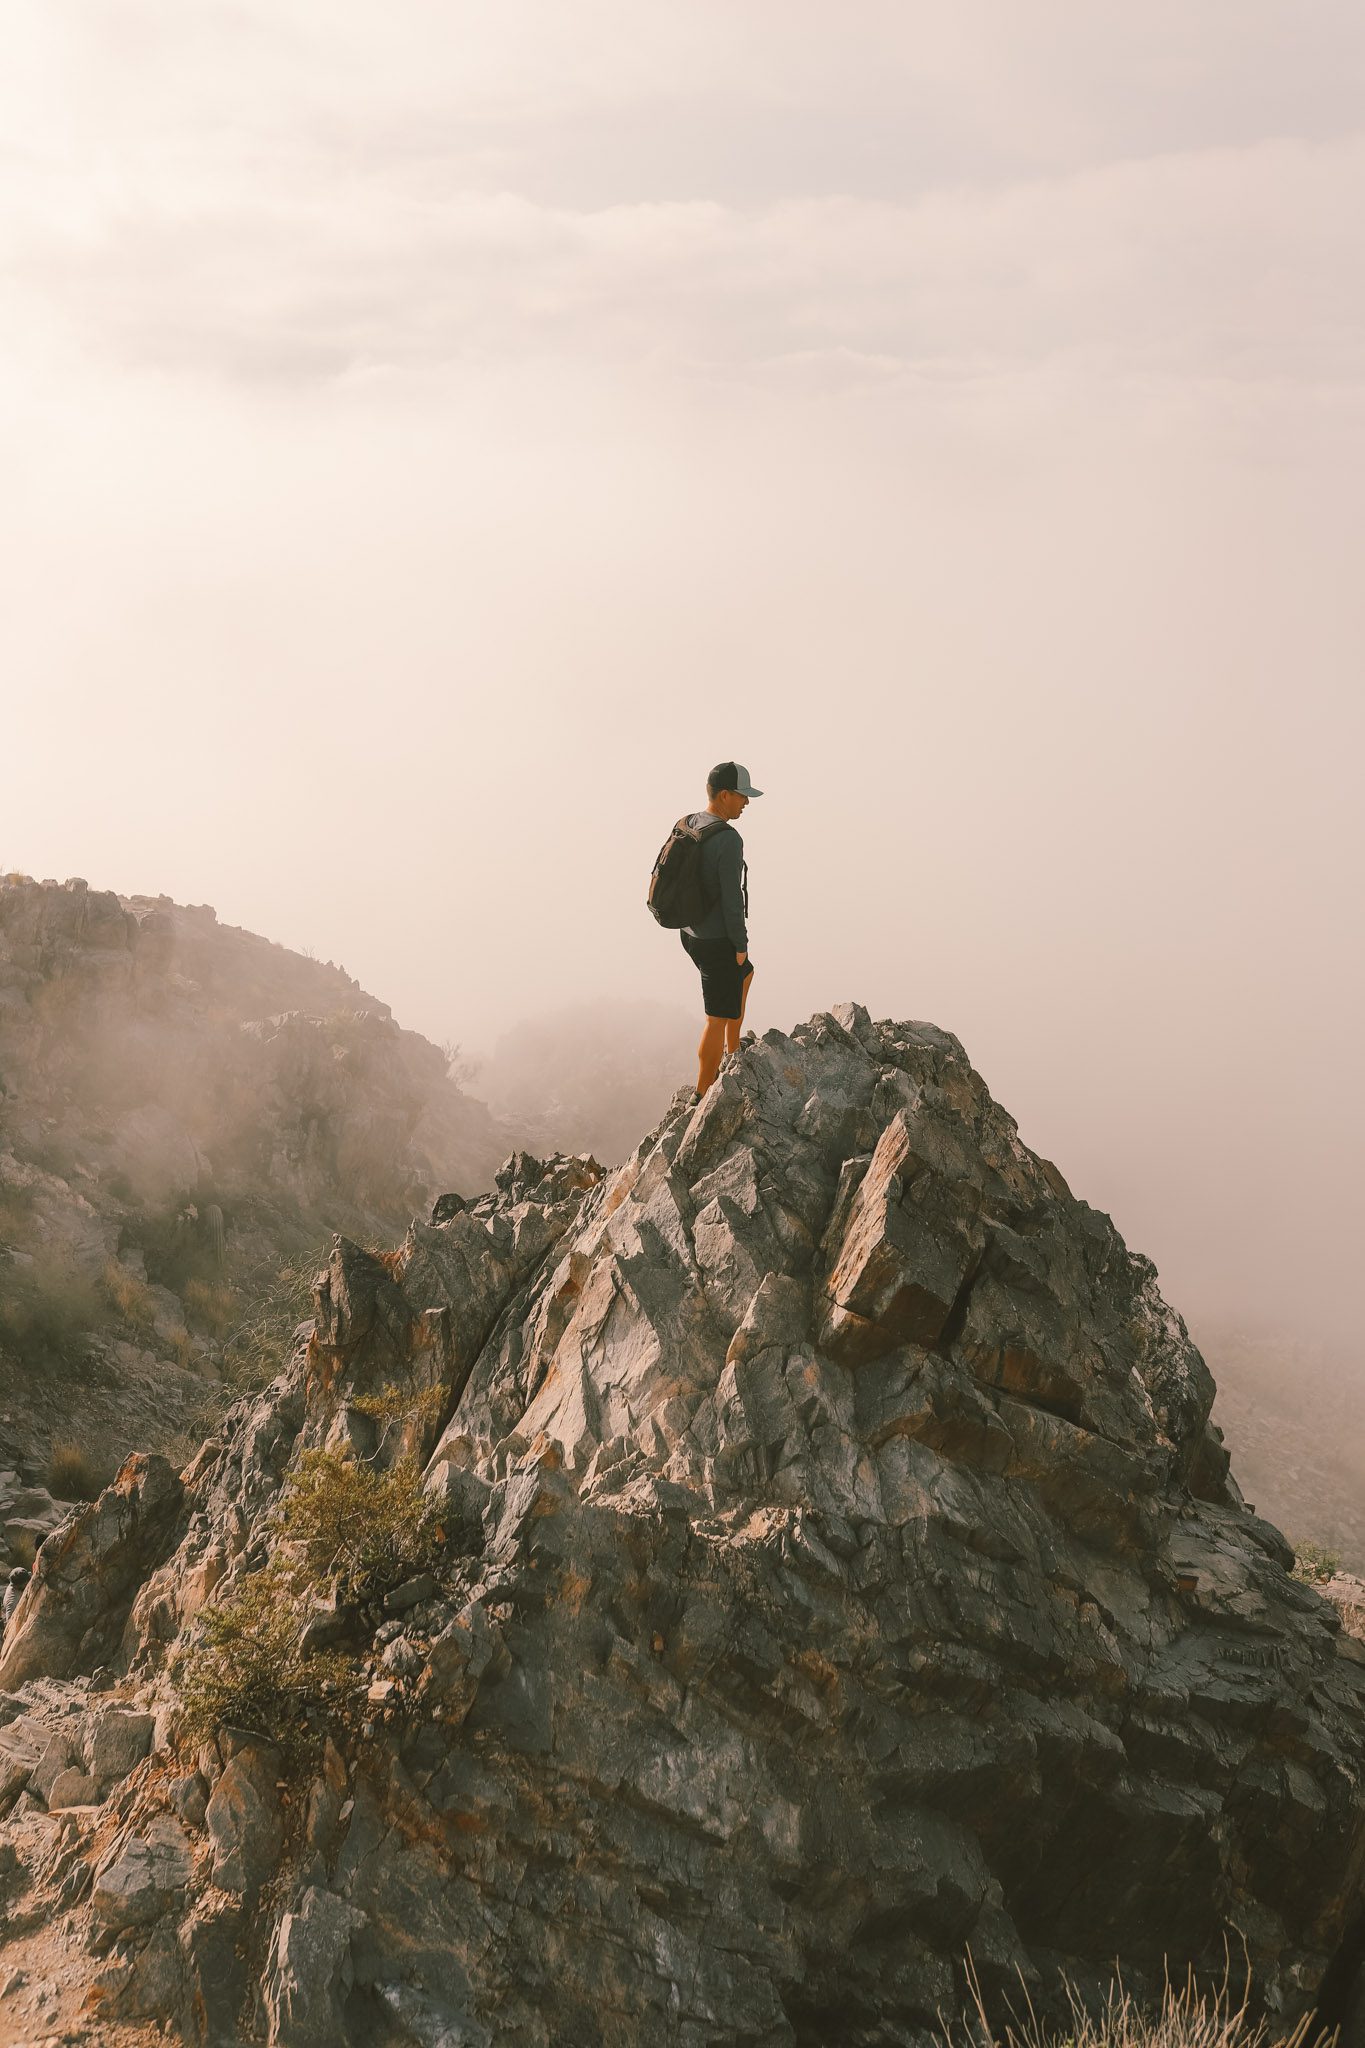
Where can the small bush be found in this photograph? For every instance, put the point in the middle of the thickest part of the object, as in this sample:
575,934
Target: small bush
244,1668
368,1530
23,1548
129,1297
72,1474
399,1404
1315,1565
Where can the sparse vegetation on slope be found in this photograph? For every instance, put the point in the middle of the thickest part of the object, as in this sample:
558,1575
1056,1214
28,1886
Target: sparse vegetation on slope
1315,1564
345,1530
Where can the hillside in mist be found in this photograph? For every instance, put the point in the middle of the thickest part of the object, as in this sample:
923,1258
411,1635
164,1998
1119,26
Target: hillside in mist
187,1113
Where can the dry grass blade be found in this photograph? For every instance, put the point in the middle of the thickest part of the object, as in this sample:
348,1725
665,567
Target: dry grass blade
1186,2018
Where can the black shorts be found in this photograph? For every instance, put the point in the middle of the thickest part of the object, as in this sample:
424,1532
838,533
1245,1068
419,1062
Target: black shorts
722,977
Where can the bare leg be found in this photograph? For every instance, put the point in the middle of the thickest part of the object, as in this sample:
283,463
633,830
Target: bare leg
709,1052
734,1025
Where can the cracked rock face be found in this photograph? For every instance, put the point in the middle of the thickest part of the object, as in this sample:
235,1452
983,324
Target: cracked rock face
850,1577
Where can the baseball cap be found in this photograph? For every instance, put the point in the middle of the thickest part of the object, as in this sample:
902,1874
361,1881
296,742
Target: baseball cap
733,775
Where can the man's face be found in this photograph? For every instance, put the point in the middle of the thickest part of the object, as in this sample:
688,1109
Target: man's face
733,805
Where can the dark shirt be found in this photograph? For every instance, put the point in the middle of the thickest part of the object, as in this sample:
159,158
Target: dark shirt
725,882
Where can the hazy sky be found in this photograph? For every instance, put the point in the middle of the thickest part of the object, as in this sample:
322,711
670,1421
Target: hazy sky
432,434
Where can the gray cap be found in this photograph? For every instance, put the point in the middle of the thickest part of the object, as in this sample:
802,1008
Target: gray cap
733,775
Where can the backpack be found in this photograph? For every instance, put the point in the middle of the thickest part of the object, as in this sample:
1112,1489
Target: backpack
677,895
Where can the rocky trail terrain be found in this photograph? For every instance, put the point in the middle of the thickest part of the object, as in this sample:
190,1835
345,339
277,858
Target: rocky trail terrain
696,1603
187,1114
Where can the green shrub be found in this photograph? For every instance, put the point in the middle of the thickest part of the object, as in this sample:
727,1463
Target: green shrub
366,1529
72,1474
421,1405
1315,1565
340,1523
244,1669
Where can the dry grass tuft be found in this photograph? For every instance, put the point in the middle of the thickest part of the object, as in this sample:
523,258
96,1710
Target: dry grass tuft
184,1349
1186,2018
260,1344
214,1306
72,1474
128,1296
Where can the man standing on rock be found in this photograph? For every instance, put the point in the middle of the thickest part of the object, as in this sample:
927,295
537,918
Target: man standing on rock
718,942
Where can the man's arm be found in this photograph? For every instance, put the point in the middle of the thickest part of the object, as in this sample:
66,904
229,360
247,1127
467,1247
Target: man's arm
729,864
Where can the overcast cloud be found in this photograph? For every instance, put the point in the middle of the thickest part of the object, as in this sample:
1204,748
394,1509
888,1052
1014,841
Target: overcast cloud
433,434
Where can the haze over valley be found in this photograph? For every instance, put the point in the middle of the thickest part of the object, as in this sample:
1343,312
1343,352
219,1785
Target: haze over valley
514,1526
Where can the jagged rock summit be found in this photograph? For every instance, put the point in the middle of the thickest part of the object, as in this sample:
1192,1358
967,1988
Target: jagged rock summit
848,1578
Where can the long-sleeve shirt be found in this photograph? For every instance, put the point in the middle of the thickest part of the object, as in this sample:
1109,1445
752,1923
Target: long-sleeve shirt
725,880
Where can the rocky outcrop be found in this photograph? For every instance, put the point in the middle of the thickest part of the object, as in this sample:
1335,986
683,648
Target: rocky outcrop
841,1575
75,1605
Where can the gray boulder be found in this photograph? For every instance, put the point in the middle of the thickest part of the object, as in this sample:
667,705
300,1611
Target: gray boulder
244,1821
86,1575
309,1971
146,1872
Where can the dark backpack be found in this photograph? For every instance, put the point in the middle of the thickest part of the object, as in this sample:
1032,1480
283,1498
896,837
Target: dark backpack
677,894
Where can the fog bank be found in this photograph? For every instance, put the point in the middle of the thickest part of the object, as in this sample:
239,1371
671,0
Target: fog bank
432,439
